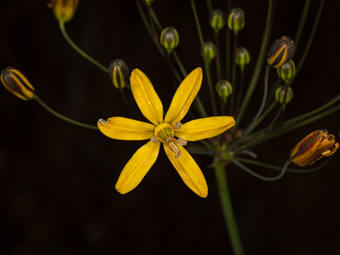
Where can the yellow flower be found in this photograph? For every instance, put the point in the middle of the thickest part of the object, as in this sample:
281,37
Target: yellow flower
164,130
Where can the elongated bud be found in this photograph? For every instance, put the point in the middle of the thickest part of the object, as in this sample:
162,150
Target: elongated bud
281,51
16,83
224,89
169,38
64,10
287,71
217,20
209,51
283,95
242,57
313,147
148,2
236,19
119,73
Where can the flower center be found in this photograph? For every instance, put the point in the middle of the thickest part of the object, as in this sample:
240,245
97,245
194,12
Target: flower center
166,134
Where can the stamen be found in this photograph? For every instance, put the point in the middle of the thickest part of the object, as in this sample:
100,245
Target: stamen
154,139
175,149
178,125
182,142
102,121
168,139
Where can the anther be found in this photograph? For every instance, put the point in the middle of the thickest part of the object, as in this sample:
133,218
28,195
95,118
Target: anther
178,125
182,142
154,139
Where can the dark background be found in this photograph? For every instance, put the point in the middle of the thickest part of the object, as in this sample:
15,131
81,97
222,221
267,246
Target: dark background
57,180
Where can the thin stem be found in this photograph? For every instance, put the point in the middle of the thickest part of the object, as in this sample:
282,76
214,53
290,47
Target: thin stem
207,69
302,23
292,170
264,99
218,58
126,102
258,65
263,178
285,128
233,74
228,46
221,177
310,39
60,116
80,51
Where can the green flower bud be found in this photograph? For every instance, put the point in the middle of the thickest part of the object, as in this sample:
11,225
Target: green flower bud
119,73
64,10
169,38
224,89
281,52
209,51
283,95
287,71
236,19
148,2
16,83
217,20
242,57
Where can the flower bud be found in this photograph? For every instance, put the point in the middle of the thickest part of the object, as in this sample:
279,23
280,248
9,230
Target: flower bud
313,147
283,95
236,19
148,2
16,83
242,57
224,89
64,10
281,51
169,38
209,51
119,73
287,71
217,20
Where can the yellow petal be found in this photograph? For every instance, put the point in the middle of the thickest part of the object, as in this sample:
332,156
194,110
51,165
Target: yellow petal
137,167
121,128
204,128
189,171
184,96
146,97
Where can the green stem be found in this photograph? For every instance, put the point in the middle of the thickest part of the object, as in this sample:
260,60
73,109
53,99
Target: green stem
60,116
197,103
200,35
80,51
263,178
310,40
284,129
301,23
264,99
258,65
292,170
227,209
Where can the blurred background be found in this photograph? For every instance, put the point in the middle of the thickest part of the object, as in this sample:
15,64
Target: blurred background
57,180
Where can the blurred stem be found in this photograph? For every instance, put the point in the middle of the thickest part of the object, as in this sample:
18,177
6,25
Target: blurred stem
228,46
258,65
60,116
209,5
197,103
233,74
310,39
264,99
80,51
302,23
218,57
240,91
207,66
221,177
126,102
